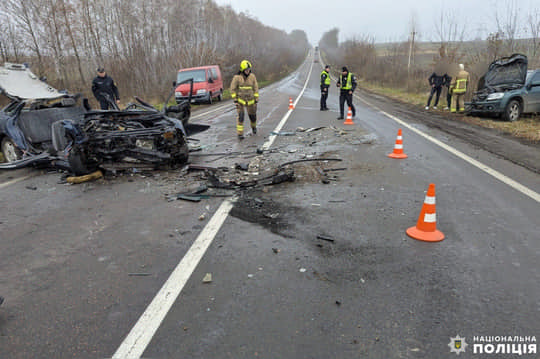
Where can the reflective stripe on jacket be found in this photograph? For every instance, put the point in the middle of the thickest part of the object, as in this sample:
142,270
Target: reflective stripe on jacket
325,78
244,89
348,85
459,85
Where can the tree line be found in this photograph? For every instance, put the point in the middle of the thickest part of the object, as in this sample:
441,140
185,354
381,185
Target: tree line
408,64
141,43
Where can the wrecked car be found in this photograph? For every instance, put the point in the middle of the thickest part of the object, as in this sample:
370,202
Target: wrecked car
42,125
507,89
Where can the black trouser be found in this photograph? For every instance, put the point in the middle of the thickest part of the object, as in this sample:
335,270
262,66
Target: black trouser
324,96
449,97
104,104
434,89
346,96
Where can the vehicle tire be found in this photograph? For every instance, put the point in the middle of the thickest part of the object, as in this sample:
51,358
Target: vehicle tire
10,151
210,99
78,164
512,111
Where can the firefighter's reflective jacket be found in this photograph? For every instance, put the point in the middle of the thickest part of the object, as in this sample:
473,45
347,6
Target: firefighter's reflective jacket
245,89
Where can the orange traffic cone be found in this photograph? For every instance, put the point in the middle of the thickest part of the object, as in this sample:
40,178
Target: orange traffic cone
426,226
348,120
291,106
398,147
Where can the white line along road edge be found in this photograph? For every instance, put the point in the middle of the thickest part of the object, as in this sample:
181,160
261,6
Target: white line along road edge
498,175
13,181
141,334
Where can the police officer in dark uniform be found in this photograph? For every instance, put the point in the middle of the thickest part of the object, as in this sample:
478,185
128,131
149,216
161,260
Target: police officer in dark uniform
325,84
347,84
105,90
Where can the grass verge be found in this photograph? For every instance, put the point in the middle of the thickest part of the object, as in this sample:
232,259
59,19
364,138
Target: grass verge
527,127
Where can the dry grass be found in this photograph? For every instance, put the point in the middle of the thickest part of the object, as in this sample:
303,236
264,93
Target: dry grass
527,127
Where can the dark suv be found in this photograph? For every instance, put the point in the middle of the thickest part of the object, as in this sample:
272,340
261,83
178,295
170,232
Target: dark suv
507,89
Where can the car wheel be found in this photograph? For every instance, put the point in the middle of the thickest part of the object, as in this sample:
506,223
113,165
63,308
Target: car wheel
210,99
10,151
512,111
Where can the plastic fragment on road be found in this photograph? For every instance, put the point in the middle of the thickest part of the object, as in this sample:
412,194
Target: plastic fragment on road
207,278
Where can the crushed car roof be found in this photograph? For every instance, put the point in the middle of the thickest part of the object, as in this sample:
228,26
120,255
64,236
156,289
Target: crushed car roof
506,71
17,81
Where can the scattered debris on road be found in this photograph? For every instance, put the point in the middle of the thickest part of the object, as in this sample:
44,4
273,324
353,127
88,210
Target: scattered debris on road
81,179
325,238
207,278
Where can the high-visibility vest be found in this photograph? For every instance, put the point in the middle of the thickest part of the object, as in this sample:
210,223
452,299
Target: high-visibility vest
461,83
326,79
348,85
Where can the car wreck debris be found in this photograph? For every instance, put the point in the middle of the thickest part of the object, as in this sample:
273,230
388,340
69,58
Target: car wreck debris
80,179
43,126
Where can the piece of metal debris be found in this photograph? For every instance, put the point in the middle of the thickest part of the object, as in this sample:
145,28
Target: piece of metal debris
283,133
325,238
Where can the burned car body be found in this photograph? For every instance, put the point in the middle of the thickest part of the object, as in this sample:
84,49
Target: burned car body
43,125
507,89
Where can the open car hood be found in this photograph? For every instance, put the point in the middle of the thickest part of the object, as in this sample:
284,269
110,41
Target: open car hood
18,82
505,71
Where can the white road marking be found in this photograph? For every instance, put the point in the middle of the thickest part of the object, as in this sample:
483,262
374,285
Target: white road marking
280,125
140,336
8,183
498,175
142,333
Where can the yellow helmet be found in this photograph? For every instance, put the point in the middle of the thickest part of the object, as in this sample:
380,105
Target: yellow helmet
244,65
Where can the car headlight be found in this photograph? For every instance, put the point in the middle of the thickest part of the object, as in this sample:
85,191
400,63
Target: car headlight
495,96
201,92
146,144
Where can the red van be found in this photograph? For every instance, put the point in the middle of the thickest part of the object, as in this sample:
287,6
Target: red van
207,84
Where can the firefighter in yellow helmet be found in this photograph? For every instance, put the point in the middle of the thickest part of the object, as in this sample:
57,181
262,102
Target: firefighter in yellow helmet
245,93
459,88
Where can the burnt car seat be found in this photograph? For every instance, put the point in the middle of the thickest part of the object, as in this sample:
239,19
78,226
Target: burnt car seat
36,124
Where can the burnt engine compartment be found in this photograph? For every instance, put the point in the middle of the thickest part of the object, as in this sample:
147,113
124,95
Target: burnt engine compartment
131,136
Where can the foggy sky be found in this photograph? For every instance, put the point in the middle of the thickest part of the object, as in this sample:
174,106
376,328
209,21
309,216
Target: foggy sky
383,20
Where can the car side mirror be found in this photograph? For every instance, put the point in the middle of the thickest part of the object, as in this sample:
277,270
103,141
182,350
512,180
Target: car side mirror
210,81
174,84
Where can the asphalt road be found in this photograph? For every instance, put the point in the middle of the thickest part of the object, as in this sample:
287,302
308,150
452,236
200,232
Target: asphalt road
80,264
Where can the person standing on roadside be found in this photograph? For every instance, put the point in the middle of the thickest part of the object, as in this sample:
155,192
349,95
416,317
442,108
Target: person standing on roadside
347,84
436,83
245,94
325,84
459,88
447,80
105,90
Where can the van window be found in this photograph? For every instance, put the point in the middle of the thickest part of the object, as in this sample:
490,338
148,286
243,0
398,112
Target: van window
197,75
214,73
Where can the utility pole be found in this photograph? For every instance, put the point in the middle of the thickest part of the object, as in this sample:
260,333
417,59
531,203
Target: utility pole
413,33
